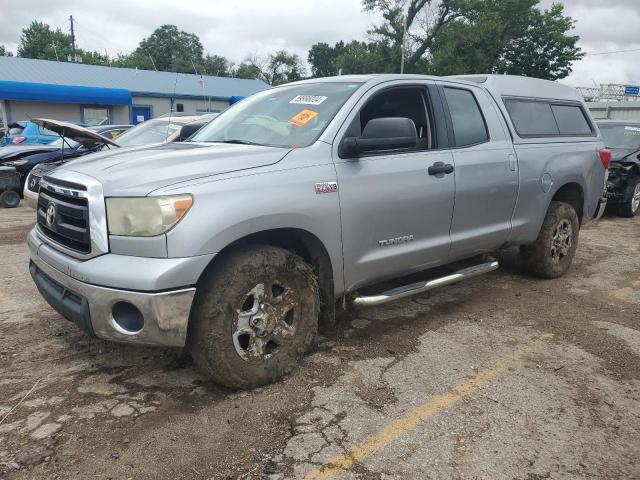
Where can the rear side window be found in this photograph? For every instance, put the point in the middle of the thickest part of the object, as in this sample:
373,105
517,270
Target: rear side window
532,119
547,119
16,130
469,127
571,120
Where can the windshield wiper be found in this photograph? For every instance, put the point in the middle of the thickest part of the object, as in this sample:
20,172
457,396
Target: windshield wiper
239,142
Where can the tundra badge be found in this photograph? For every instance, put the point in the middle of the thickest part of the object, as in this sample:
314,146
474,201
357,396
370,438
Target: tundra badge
395,241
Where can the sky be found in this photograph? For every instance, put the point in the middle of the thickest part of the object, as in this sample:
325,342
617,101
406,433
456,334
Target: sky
236,28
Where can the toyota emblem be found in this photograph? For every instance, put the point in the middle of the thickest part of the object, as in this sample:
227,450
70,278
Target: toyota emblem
51,214
32,182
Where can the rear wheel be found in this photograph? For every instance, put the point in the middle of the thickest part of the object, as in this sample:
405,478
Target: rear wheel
9,199
255,314
631,200
551,255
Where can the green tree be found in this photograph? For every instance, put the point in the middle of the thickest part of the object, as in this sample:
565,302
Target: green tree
166,49
40,41
322,58
278,68
216,65
4,52
488,36
545,50
353,58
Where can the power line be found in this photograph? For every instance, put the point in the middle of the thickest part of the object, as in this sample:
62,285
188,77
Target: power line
613,51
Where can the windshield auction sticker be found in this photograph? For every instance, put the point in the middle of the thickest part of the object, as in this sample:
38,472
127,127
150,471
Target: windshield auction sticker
308,99
303,117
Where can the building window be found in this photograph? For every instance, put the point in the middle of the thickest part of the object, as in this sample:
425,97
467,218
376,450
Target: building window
94,116
179,107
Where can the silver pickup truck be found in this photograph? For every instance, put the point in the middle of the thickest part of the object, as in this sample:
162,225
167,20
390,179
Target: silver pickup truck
236,243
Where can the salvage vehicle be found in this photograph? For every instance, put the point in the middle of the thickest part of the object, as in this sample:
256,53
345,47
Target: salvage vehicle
26,132
65,147
152,131
238,242
623,184
9,187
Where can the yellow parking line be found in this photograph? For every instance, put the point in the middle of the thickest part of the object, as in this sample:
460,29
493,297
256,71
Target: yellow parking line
419,414
622,293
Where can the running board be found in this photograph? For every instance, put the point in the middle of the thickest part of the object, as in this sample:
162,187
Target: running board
421,287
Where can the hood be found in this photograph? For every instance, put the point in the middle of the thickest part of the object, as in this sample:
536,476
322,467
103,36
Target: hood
14,152
84,136
140,170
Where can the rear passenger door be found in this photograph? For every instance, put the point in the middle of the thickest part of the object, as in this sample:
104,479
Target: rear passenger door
486,171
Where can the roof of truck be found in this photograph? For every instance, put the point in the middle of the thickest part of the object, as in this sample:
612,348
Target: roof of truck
517,86
499,85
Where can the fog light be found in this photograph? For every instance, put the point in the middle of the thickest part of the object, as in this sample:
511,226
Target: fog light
127,317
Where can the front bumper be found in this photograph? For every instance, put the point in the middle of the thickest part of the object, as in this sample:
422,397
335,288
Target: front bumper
165,313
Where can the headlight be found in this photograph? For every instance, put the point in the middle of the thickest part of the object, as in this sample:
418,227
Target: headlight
145,216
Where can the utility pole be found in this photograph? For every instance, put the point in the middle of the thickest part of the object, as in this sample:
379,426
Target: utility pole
404,41
73,41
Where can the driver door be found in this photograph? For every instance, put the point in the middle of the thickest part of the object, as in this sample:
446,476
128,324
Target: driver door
395,215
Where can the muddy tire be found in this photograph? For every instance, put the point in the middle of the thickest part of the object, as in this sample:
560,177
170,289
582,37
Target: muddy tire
9,199
550,256
631,200
255,314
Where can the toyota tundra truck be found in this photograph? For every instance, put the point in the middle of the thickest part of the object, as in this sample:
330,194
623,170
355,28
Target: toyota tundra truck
302,198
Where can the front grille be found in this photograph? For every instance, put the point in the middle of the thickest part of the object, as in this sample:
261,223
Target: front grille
64,218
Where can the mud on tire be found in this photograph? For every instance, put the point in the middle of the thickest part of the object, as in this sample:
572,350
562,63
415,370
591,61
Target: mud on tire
551,255
255,314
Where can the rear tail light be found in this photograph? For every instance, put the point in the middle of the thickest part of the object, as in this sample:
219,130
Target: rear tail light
18,139
605,157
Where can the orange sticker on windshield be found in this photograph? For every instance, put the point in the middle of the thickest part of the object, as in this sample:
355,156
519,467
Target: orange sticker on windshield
302,118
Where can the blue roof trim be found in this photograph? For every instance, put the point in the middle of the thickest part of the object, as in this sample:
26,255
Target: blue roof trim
46,92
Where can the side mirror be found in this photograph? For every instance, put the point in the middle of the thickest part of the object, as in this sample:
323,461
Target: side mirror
388,133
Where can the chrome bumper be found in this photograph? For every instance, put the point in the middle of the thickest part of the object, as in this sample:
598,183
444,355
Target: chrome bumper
602,205
165,313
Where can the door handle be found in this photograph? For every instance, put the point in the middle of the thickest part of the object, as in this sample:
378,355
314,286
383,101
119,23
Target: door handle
440,169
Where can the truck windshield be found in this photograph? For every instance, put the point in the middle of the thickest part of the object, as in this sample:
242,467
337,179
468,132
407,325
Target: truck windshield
281,117
621,136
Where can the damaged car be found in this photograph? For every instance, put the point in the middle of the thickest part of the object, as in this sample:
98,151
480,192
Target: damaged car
158,130
623,184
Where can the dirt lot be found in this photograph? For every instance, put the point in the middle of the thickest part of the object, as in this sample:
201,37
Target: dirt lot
501,377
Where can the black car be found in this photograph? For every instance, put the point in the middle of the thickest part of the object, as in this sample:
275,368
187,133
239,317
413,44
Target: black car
24,158
623,185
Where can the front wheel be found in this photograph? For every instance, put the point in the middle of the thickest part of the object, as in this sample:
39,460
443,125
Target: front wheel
255,314
551,255
9,199
631,200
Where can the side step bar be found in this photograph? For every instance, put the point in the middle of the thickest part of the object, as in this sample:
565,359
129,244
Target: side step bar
421,287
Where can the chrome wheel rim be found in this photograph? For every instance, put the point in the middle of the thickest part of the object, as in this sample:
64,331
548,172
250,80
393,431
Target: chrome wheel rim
265,322
635,200
562,240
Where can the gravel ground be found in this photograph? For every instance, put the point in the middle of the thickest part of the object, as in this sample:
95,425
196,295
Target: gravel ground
500,377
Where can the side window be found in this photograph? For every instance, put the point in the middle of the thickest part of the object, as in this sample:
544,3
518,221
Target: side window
532,118
571,120
469,127
410,102
546,119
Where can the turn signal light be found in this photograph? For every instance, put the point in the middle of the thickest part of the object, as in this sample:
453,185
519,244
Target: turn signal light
605,157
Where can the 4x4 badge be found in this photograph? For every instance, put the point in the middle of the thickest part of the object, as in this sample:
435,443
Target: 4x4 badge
326,187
